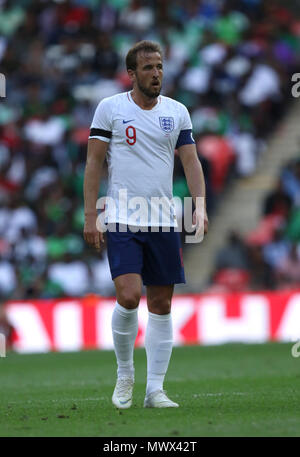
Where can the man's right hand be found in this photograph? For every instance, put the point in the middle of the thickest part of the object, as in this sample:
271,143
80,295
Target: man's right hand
90,232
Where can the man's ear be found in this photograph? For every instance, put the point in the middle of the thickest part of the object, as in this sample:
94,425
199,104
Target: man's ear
131,75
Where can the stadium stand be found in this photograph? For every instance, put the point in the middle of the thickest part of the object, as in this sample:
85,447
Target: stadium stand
269,256
229,62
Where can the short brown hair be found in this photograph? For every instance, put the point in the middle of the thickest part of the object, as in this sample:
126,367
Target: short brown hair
146,46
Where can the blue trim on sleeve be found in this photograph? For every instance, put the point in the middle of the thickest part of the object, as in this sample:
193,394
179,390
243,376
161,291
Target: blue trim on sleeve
185,137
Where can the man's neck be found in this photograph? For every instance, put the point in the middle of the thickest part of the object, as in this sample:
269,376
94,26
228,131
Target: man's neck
142,100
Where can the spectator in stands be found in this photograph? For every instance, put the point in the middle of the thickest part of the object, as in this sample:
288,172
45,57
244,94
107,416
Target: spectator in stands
288,270
291,181
277,201
72,275
7,278
261,274
277,249
233,254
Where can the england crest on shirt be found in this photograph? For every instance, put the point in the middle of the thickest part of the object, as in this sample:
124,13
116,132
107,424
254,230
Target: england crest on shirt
166,124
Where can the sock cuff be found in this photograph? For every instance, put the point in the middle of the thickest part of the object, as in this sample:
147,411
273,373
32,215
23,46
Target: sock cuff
123,310
159,317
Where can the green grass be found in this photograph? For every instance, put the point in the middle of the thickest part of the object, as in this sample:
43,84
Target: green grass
229,390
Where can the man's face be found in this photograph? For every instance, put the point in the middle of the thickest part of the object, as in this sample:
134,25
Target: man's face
149,73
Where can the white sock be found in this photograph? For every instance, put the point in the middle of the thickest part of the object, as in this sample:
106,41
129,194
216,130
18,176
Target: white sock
124,329
158,344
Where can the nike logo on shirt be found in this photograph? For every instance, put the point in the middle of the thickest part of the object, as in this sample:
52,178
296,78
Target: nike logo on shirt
125,122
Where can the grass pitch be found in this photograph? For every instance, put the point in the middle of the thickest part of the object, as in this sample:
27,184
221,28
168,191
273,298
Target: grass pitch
229,390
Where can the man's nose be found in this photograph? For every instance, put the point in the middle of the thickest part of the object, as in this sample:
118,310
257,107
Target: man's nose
156,72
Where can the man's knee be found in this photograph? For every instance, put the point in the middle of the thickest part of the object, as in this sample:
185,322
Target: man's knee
128,290
159,305
129,299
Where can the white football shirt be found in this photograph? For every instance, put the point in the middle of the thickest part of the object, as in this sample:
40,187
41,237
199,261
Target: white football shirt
140,157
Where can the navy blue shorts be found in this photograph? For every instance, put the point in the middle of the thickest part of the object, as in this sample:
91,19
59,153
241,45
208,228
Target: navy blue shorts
156,256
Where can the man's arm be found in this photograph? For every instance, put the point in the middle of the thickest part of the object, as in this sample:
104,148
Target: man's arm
195,180
95,157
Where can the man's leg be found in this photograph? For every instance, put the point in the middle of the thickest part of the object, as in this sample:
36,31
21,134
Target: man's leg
124,330
158,344
125,321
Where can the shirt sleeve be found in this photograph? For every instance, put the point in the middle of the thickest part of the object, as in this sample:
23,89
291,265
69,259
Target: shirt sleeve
101,126
185,136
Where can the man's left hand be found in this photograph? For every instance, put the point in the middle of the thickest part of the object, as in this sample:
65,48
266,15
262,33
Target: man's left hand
200,222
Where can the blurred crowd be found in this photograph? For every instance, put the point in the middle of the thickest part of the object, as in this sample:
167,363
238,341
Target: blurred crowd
229,61
268,258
